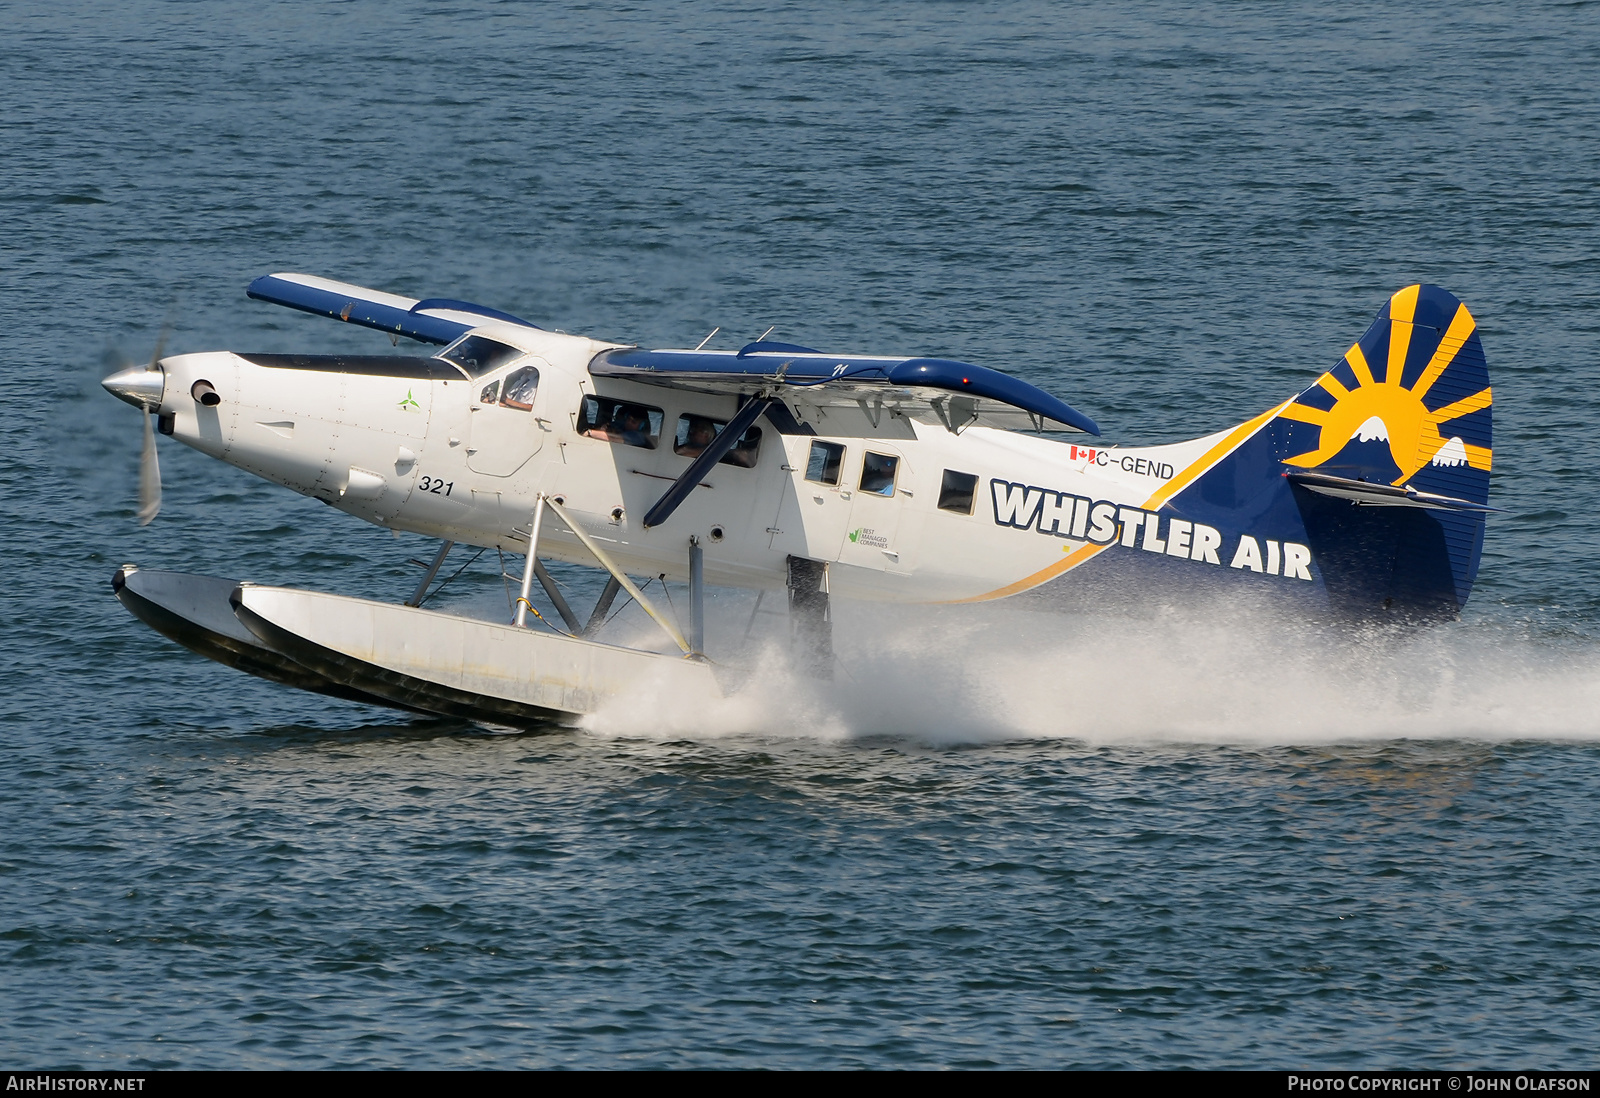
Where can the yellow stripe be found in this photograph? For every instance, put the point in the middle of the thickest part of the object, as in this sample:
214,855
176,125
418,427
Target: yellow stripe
1358,363
1334,386
1402,311
1463,406
1403,305
1305,415
1228,445
1070,561
1399,341
1455,337
1192,472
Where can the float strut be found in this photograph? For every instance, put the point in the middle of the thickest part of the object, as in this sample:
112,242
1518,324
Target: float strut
697,596
548,582
609,565
433,570
751,624
602,607
527,569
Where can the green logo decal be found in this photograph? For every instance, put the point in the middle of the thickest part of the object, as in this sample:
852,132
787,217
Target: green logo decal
855,535
410,402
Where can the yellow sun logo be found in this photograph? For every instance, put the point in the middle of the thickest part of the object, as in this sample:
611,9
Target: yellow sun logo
1346,400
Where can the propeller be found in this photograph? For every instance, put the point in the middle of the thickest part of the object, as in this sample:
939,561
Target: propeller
149,475
143,387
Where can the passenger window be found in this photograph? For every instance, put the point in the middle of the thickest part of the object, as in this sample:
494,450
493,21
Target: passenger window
956,492
619,421
520,389
824,463
490,394
877,473
696,432
477,355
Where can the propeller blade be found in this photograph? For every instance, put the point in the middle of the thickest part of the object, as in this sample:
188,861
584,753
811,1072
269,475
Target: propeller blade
161,343
149,466
149,475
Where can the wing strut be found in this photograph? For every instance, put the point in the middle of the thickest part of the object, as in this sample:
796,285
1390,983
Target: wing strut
713,453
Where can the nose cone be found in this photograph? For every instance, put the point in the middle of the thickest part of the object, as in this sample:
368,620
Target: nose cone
141,386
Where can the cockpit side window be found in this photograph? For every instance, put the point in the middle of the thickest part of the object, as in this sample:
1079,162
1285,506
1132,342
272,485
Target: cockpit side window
478,355
520,388
619,421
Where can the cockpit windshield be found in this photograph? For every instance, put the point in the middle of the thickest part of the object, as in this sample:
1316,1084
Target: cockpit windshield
477,355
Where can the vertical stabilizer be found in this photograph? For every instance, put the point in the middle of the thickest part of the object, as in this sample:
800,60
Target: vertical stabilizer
1382,465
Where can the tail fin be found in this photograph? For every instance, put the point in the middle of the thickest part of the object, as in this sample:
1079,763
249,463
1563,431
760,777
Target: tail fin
1409,404
1408,407
1382,465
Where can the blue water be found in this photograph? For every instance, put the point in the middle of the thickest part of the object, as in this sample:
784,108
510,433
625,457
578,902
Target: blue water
1001,838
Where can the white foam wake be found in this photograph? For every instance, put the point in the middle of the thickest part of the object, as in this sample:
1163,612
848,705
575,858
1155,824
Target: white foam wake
984,674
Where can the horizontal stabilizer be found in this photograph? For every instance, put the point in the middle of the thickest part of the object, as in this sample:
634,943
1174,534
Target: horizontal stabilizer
434,320
1366,494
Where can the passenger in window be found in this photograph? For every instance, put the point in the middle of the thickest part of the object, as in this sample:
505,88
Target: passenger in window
744,451
614,421
701,431
600,421
633,427
695,433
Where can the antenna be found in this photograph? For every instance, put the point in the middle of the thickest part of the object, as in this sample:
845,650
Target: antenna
766,333
707,339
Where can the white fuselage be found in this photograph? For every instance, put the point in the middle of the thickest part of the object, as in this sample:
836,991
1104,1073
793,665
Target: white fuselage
432,456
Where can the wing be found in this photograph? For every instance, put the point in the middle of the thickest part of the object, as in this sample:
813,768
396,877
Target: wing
933,390
434,320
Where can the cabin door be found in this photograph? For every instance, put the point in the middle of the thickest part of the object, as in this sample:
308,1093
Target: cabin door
813,500
506,429
879,486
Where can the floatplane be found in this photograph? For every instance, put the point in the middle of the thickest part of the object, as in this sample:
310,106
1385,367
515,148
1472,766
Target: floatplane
781,468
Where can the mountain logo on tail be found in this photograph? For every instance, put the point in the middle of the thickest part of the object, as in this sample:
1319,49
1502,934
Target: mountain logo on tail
1411,396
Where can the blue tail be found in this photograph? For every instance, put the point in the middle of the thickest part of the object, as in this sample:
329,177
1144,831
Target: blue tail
1381,467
